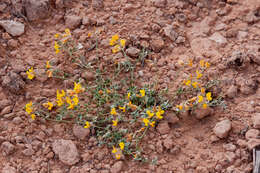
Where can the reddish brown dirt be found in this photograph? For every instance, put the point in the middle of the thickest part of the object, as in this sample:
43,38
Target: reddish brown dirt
193,145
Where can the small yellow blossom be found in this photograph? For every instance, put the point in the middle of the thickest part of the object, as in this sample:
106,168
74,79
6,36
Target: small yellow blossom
57,35
115,122
67,32
205,106
28,108
149,113
118,156
187,83
190,63
108,91
142,92
87,125
128,95
33,116
72,102
146,122
75,100
199,75
49,73
122,108
48,65
116,49
48,105
200,99
30,73
114,150
78,88
122,145
71,92
56,47
202,63
180,107
195,84
208,95
113,111
152,123
89,34
159,115
122,42
202,90
113,40
207,65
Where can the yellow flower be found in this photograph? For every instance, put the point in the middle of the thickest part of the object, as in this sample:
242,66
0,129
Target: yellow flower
146,121
202,63
122,42
48,105
194,84
205,106
202,90
108,91
113,111
67,32
78,88
71,92
28,108
160,110
142,92
152,123
190,63
114,150
128,95
60,95
75,100
188,82
199,75
57,35
159,115
56,47
48,65
113,40
115,122
116,49
122,108
118,156
208,95
72,103
149,113
33,116
200,99
180,107
89,34
122,145
30,73
87,125
49,73
207,65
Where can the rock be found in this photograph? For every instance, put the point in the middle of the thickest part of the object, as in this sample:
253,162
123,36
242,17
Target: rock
28,152
133,52
12,43
13,82
48,92
168,143
157,44
66,151
117,167
80,132
86,21
97,4
172,119
229,147
201,169
160,3
232,91
252,143
169,32
163,128
218,38
201,113
9,169
222,128
89,76
4,103
252,133
12,27
72,21
241,35
180,39
6,110
17,120
255,57
256,120
181,17
37,9
7,148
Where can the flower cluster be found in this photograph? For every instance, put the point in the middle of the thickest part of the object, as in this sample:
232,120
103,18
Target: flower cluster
63,39
30,73
29,109
117,151
150,119
118,44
